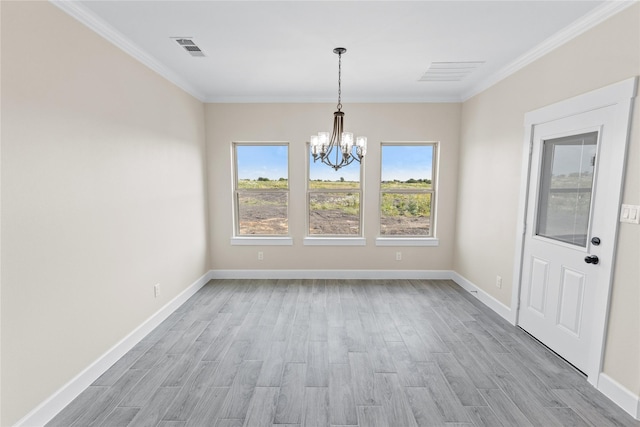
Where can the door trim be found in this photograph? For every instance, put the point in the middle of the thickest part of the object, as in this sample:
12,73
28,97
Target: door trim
619,95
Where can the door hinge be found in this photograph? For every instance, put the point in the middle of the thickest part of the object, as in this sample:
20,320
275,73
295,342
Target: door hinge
593,160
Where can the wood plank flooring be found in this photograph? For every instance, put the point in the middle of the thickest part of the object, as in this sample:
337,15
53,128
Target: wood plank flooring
368,353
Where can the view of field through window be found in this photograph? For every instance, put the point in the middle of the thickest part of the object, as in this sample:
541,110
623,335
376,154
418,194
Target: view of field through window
406,190
567,181
334,197
262,189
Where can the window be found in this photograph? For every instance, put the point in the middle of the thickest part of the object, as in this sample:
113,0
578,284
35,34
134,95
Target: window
261,183
407,189
564,206
333,200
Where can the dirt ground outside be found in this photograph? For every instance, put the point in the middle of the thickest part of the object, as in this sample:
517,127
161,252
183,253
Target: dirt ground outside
268,216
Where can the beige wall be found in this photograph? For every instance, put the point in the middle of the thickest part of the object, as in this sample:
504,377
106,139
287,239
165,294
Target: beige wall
102,197
492,137
294,123
104,192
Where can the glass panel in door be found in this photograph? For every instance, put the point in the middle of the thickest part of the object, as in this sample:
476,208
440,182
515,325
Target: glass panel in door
566,186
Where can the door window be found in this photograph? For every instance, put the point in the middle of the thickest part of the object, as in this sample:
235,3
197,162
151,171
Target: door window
566,186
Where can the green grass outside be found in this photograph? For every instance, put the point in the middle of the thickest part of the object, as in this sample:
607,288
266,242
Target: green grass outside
333,185
347,203
393,204
406,185
408,205
252,184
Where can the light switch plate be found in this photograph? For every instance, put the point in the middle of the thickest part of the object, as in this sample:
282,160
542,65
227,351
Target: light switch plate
630,214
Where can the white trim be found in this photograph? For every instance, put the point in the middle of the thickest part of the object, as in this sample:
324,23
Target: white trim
49,408
521,225
55,403
334,241
65,395
261,241
96,24
99,26
407,241
595,17
501,309
620,395
332,274
619,95
349,100
612,94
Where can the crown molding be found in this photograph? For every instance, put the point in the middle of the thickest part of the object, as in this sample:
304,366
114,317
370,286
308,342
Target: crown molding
354,100
94,23
598,15
595,17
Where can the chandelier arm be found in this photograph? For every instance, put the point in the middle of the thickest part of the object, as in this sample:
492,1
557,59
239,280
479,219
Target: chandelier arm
338,140
348,161
335,135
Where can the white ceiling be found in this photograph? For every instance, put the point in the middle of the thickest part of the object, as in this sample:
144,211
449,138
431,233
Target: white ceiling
281,51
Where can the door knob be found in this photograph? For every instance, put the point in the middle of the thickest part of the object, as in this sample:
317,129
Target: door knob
591,259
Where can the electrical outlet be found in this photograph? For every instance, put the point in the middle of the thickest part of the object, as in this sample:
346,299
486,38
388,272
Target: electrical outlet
398,256
156,290
260,256
499,281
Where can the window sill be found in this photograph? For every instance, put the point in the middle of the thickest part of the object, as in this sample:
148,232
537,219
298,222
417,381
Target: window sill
407,241
261,241
334,241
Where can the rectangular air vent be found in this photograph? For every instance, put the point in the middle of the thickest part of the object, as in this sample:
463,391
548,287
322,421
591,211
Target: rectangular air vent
449,71
189,46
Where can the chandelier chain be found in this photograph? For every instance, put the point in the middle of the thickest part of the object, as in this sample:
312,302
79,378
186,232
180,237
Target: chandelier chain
339,106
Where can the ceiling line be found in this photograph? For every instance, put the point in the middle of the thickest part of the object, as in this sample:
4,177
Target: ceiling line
351,100
99,26
588,21
591,19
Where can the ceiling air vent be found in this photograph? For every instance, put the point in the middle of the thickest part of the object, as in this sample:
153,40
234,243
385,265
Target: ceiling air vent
449,71
189,45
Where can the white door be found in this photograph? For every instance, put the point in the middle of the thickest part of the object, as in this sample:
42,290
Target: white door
569,221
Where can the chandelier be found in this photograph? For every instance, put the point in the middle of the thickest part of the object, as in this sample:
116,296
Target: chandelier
338,150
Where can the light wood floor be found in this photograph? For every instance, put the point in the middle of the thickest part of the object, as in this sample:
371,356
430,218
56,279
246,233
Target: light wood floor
337,353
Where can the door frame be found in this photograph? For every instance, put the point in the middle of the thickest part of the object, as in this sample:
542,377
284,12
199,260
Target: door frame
620,96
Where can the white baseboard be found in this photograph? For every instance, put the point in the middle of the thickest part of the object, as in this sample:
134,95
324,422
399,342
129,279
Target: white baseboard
504,311
48,409
332,274
622,397
54,404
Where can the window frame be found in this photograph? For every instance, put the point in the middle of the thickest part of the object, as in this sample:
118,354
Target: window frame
258,239
333,239
414,239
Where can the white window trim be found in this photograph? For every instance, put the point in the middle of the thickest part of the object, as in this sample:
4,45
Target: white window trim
431,240
334,241
407,241
261,241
